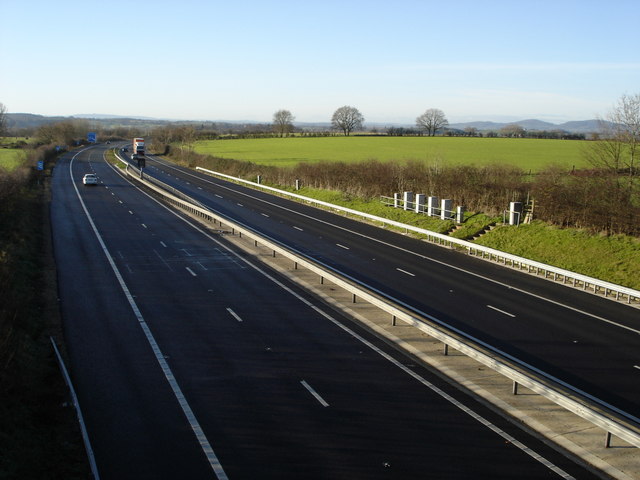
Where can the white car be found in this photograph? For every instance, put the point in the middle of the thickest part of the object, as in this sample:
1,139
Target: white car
90,179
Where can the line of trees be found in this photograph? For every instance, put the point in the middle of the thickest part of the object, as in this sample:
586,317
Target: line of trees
585,198
604,198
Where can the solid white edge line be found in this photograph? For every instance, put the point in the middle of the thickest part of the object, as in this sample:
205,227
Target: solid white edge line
315,394
416,376
83,427
469,272
186,408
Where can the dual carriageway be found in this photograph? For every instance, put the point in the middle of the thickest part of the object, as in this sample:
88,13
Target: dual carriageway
276,382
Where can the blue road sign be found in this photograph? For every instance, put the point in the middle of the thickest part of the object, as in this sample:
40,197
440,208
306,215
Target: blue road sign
91,137
40,164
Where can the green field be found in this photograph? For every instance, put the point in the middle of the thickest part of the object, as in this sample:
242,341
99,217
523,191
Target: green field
529,154
10,158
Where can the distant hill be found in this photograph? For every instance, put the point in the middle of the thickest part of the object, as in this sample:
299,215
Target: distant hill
29,120
584,126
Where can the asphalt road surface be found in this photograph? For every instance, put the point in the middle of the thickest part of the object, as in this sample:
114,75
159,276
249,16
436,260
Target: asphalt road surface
585,341
192,361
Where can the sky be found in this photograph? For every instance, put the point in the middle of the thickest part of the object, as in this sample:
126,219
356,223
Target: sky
242,60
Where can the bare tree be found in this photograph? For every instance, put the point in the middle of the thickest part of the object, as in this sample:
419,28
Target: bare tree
283,122
626,120
512,130
618,144
62,133
186,135
431,121
3,119
347,119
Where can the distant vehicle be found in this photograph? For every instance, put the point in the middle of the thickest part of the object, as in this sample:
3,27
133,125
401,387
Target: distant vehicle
90,179
124,149
138,146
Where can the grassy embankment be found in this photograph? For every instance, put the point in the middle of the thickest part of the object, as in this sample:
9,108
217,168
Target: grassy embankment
39,435
615,259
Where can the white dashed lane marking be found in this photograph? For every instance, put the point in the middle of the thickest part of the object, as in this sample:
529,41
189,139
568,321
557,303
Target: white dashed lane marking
405,272
501,311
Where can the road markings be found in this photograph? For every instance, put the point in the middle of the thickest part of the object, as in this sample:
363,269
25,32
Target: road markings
264,215
196,428
130,212
298,228
416,376
637,366
191,272
314,393
219,196
405,272
234,314
163,260
163,244
501,311
342,246
239,204
425,257
144,225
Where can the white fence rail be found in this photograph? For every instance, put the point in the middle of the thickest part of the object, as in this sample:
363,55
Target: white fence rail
594,285
611,420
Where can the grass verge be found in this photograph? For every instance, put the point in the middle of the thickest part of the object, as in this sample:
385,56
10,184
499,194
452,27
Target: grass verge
39,434
614,259
373,207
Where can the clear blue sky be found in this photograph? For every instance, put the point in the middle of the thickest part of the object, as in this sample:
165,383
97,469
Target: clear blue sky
555,60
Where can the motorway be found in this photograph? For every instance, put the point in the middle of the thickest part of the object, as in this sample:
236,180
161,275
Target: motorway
192,361
588,342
